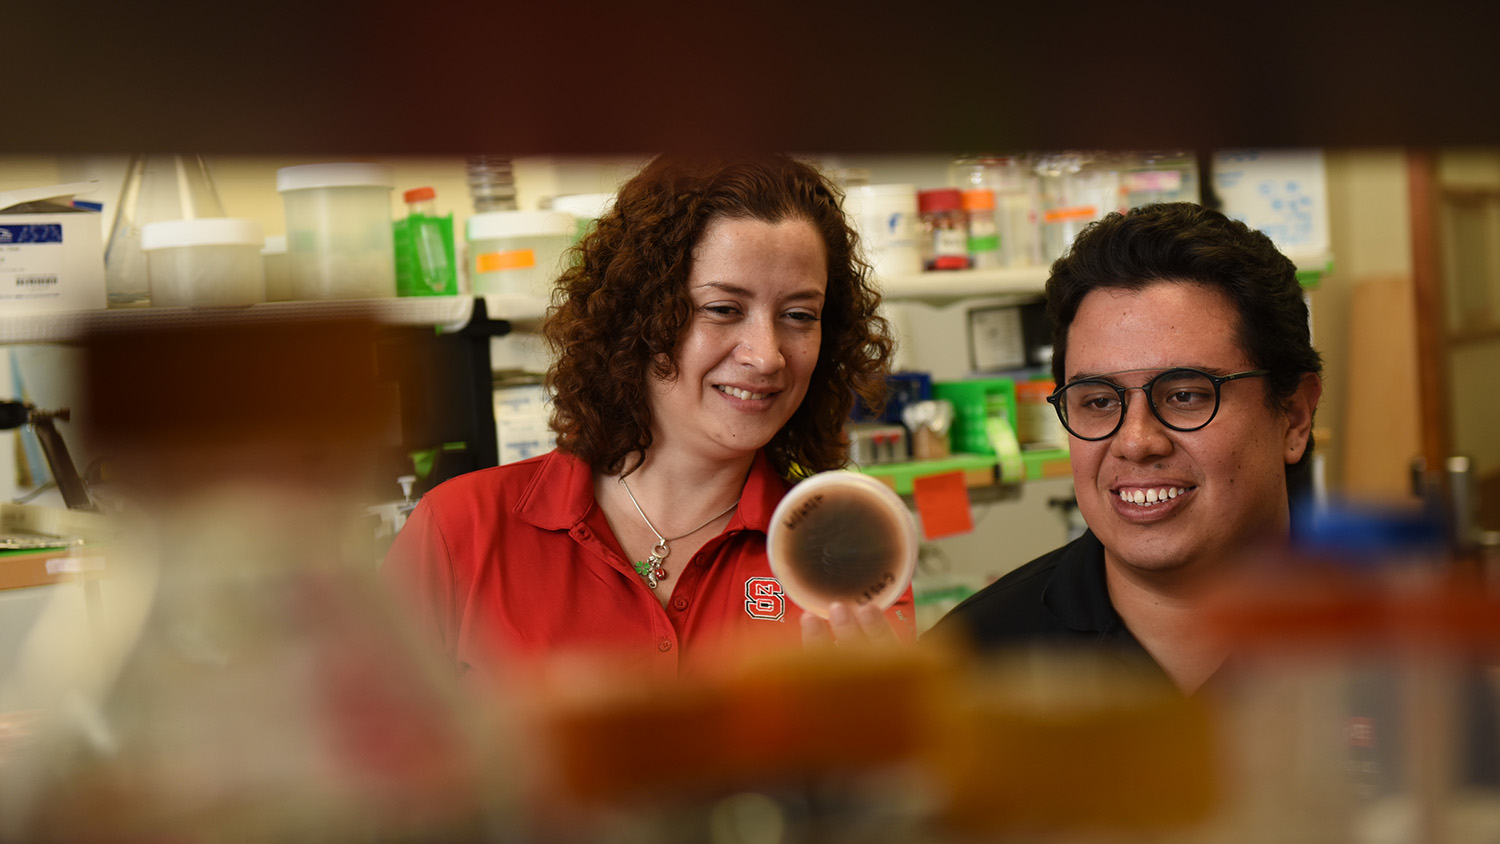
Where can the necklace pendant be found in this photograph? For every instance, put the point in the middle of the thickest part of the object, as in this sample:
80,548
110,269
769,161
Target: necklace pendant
651,569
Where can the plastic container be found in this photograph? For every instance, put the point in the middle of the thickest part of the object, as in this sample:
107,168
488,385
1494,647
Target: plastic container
338,230
1037,425
210,261
424,247
517,253
842,536
1076,189
278,270
885,216
983,233
945,229
586,209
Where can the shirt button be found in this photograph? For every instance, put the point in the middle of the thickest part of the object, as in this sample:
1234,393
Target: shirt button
680,603
664,645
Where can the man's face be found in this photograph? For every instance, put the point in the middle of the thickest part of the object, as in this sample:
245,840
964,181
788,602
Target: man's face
1209,491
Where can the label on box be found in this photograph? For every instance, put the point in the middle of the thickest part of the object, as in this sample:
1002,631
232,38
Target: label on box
50,262
522,427
30,271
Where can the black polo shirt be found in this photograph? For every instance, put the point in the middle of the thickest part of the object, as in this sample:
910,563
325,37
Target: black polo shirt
1060,599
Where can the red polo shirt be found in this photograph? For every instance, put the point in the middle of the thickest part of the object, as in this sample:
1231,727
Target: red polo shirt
518,561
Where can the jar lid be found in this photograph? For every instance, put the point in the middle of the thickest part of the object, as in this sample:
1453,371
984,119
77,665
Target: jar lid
939,199
346,175
206,231
492,224
979,199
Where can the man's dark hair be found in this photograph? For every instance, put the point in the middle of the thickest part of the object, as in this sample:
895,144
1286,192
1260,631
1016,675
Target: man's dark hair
1183,241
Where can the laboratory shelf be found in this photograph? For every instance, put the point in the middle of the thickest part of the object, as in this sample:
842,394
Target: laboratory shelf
980,471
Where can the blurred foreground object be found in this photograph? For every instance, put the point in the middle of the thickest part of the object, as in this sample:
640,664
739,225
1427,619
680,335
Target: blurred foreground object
873,745
1362,697
247,680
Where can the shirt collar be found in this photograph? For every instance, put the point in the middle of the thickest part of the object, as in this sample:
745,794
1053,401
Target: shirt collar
1077,593
561,494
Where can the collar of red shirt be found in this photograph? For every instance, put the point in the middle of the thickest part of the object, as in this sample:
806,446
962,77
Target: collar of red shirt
562,492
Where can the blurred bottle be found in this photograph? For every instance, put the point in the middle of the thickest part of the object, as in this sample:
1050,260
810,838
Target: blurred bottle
1360,702
425,263
1161,176
984,235
945,230
1076,189
157,188
1014,184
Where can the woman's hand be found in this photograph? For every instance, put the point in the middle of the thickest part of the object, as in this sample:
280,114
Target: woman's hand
859,625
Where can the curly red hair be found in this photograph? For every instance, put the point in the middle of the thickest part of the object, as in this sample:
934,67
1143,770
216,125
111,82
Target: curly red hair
621,307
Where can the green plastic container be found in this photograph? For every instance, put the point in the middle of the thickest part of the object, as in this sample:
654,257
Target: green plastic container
425,264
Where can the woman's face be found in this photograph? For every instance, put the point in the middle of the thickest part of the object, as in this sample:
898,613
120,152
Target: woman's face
747,355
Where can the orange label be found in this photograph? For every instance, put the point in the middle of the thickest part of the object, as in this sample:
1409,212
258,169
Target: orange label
1077,212
510,259
943,503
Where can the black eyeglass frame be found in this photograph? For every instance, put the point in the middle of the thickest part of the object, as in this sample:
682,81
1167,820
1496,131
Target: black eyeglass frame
1218,381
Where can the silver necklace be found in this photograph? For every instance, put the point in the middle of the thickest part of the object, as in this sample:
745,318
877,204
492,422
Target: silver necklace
651,568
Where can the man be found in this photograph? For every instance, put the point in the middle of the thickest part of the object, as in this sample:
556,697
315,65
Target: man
1188,386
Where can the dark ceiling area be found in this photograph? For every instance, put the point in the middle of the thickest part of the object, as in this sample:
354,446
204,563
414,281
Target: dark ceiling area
384,78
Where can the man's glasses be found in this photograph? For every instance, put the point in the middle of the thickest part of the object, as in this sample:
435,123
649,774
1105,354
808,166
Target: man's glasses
1183,399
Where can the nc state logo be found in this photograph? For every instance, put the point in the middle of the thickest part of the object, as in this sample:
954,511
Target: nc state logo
764,599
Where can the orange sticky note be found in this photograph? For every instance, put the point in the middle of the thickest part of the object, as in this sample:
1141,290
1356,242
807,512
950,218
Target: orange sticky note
943,504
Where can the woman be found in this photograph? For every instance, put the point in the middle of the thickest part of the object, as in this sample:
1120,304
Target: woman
710,340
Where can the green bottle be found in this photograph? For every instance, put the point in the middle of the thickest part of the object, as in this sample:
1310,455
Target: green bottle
425,263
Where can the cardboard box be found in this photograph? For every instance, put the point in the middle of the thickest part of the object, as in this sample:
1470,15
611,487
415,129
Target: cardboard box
51,254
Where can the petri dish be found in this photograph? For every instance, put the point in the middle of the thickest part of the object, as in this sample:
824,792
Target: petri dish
842,536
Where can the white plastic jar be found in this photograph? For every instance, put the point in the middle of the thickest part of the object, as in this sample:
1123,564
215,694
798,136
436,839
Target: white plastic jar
278,274
339,241
208,261
517,253
586,209
888,224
